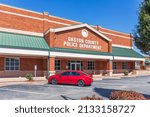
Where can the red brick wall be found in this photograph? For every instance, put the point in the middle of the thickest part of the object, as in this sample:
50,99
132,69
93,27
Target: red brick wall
52,63
130,65
29,24
63,63
118,38
36,25
1,63
45,64
33,14
63,36
120,41
27,64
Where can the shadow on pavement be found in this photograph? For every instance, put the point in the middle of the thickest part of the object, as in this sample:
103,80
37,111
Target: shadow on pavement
66,98
106,92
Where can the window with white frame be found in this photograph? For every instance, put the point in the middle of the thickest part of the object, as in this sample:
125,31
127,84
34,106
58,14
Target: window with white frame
12,64
91,65
114,65
57,64
124,65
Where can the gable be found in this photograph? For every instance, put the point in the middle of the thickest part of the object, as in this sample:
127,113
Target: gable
81,38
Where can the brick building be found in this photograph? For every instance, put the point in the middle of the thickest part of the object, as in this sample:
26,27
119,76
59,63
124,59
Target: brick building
53,44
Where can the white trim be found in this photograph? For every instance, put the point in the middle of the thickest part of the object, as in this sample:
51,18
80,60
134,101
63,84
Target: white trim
8,51
56,22
78,26
121,46
36,18
17,14
37,12
21,32
64,19
128,58
115,35
20,8
115,31
75,55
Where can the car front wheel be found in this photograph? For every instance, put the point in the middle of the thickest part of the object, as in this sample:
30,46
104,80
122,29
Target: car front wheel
54,81
81,83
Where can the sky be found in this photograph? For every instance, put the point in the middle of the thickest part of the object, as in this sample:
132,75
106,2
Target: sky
119,15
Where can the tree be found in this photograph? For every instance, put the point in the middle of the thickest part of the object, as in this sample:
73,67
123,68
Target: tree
142,34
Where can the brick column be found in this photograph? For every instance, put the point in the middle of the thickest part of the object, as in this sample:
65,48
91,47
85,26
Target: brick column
51,66
142,63
110,67
110,47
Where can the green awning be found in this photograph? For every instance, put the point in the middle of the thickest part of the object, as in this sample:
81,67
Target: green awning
80,51
20,41
125,52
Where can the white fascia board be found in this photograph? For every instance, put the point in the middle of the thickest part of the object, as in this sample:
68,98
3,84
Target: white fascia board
10,51
75,55
128,58
78,26
121,46
20,32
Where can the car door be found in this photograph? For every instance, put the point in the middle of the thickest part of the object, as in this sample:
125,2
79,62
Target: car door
74,77
64,78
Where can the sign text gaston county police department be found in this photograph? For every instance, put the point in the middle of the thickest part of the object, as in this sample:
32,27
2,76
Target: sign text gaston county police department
82,43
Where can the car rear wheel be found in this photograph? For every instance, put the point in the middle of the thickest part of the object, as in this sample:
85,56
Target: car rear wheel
81,83
54,81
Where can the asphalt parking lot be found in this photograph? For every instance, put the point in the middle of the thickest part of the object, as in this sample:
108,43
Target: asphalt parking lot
46,91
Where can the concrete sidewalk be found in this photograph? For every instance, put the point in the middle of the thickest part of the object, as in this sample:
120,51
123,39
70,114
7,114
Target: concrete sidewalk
22,80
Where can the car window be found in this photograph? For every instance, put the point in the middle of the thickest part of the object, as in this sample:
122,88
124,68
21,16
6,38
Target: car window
65,74
75,74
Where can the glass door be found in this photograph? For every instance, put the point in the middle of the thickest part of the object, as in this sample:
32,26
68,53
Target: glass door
78,66
75,66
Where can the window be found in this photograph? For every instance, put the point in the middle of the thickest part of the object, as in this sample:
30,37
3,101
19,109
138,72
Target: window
57,64
124,65
114,65
75,74
65,74
12,64
91,65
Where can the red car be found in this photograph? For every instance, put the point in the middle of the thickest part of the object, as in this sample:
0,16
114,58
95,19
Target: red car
71,77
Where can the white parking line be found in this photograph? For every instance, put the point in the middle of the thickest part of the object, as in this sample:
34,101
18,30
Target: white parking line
30,92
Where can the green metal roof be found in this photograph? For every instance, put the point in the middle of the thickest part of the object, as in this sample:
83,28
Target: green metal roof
124,52
79,51
11,40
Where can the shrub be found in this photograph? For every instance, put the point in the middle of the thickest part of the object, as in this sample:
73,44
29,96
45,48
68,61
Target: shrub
126,95
29,77
125,72
92,98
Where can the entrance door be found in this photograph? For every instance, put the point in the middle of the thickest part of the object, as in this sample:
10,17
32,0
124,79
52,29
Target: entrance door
75,66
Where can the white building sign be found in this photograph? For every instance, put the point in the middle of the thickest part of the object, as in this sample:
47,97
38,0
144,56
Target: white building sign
82,43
